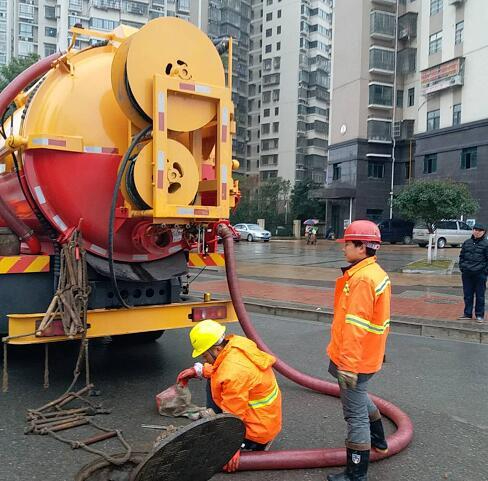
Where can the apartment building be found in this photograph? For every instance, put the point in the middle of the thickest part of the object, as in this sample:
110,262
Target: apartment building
288,100
407,101
41,26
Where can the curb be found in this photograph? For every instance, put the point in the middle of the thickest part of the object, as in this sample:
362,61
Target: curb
437,329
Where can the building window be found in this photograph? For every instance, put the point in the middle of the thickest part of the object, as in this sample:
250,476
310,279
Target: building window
276,127
456,114
265,128
469,158
376,169
279,13
380,94
49,12
374,215
336,171
49,49
266,113
433,120
435,6
399,103
267,49
435,43
459,32
278,45
277,110
430,163
411,97
276,95
269,16
50,31
278,29
269,32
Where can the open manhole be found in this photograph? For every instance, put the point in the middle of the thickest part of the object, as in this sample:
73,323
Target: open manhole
194,453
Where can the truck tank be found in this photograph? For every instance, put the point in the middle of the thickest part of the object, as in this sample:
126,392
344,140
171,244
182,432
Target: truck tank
68,153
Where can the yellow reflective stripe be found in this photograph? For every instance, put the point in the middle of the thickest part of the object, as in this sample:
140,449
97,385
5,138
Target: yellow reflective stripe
265,401
367,325
382,286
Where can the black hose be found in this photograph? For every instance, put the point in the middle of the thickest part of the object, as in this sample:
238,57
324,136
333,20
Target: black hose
125,160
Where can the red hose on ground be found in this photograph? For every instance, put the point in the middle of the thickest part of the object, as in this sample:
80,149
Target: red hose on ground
304,458
7,96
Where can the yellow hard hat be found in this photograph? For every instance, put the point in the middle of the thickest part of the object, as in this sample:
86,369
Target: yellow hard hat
204,335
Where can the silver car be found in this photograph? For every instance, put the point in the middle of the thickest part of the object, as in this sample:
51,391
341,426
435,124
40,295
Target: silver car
452,232
252,232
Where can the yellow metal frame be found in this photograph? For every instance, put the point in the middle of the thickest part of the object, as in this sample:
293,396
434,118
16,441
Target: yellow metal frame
163,210
112,322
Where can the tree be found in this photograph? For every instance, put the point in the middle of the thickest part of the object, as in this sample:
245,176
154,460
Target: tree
15,67
262,200
434,200
302,206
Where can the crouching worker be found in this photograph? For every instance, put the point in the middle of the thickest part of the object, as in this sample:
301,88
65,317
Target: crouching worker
242,382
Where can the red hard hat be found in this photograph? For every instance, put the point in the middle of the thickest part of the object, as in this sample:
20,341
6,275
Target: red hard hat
362,230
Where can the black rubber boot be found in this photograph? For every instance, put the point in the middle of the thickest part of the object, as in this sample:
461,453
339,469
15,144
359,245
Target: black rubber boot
356,468
378,439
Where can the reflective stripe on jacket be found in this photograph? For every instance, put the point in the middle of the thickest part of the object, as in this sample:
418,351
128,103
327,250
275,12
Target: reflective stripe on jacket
361,318
243,383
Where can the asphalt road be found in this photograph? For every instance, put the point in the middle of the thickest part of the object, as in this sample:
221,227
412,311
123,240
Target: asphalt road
442,385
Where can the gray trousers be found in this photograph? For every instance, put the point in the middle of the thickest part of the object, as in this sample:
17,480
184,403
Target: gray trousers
358,411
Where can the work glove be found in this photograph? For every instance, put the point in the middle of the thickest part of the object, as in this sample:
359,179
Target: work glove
233,464
347,379
190,373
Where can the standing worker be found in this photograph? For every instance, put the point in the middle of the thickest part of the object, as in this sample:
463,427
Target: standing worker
473,264
242,382
357,346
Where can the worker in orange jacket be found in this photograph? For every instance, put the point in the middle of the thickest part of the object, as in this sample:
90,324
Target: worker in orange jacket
242,382
358,338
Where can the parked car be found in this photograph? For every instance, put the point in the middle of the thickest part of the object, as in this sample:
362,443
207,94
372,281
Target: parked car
235,235
396,230
452,232
252,232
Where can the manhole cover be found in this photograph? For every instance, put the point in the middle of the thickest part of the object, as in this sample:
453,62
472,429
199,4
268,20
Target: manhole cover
195,453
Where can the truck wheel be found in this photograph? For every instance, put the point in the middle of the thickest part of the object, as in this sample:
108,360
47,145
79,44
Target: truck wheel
137,338
407,240
441,243
249,238
422,244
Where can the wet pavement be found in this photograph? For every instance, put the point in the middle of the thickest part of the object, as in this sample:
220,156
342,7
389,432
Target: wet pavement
442,385
291,271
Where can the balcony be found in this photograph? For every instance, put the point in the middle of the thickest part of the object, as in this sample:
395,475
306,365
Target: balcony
379,130
382,60
105,4
390,3
407,26
380,95
407,61
455,2
382,25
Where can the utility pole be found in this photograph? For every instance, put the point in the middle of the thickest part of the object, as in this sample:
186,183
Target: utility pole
393,139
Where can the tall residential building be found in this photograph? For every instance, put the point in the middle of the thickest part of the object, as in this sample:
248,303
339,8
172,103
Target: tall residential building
41,26
230,18
289,66
407,101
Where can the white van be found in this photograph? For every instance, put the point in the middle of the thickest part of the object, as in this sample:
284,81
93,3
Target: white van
452,232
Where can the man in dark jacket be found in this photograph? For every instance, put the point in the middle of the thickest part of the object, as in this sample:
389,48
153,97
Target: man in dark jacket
473,263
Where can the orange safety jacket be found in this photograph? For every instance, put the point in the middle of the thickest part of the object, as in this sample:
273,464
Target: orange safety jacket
243,383
361,318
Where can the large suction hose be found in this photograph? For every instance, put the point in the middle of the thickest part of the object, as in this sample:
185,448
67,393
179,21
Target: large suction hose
7,96
304,458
